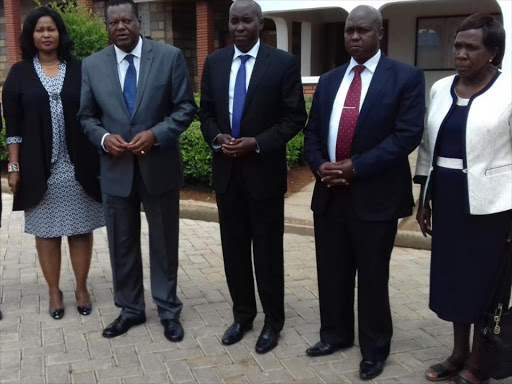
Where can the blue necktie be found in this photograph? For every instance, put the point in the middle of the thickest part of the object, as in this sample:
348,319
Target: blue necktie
130,84
239,97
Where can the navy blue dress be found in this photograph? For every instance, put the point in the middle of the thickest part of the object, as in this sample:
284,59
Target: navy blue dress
467,250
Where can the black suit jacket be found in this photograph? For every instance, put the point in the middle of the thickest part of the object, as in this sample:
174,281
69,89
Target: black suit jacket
27,114
274,112
389,128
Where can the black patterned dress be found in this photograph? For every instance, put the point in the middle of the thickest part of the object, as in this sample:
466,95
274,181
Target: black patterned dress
65,209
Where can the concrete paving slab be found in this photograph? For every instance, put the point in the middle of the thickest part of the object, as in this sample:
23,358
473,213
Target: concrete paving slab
37,349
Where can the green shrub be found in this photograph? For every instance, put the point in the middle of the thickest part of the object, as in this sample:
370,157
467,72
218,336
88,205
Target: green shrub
308,101
295,151
197,157
3,148
86,29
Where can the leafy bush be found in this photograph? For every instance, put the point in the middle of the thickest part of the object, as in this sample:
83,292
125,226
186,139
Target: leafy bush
86,29
295,151
197,157
3,148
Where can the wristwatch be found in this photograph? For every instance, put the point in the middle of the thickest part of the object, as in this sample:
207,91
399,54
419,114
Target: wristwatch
13,167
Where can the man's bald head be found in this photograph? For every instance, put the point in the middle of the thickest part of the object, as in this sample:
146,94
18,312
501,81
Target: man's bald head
369,13
250,4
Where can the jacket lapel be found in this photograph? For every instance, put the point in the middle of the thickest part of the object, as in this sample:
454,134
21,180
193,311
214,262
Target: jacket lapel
379,79
260,67
223,82
145,65
113,78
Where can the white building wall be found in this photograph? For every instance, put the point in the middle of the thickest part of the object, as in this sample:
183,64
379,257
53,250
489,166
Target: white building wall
402,27
305,49
402,16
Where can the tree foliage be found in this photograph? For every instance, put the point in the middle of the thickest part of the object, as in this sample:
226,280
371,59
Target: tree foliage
85,28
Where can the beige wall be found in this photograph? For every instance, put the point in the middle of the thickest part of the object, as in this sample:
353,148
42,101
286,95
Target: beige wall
402,26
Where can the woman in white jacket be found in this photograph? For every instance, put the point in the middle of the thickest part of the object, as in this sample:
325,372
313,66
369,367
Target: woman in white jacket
465,168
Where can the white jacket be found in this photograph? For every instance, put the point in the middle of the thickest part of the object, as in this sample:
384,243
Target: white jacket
488,161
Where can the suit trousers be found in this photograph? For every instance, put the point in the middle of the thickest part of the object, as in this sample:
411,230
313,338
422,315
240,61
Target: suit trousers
245,220
123,220
346,246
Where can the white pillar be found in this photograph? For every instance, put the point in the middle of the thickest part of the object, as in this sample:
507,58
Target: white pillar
305,49
281,33
506,10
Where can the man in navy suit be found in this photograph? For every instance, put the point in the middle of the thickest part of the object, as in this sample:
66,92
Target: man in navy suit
366,118
251,105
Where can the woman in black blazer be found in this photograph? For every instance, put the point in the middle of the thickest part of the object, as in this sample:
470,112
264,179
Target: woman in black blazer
53,169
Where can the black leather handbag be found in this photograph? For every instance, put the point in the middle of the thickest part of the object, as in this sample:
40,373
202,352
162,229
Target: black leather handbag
496,328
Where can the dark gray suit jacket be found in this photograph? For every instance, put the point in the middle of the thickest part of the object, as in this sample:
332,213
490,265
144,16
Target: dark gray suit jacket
165,104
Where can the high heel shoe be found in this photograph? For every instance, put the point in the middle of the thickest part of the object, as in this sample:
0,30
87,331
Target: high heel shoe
84,310
57,313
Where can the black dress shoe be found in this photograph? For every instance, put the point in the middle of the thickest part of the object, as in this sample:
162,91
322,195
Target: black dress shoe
323,349
121,325
370,369
173,331
235,333
267,340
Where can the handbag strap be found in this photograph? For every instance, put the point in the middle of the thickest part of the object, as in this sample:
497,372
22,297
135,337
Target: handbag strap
501,290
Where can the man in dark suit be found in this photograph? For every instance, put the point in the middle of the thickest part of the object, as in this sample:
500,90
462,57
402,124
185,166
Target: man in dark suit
366,118
136,100
251,105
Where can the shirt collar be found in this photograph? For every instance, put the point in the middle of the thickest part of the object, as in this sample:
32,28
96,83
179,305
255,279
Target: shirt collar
137,52
253,52
370,64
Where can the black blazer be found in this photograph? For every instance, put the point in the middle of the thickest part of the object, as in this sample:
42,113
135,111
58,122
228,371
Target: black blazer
389,128
274,113
27,114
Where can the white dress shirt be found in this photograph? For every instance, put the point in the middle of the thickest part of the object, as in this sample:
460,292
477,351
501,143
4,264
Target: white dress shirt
235,66
339,101
122,64
122,68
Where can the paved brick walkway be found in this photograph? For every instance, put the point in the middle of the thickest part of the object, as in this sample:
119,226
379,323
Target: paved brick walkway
37,349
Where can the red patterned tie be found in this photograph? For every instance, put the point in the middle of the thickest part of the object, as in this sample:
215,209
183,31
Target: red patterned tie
349,116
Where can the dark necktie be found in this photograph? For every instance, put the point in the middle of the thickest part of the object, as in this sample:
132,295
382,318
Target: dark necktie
130,84
349,116
239,97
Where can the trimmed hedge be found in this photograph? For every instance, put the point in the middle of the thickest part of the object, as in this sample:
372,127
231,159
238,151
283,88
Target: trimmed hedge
197,156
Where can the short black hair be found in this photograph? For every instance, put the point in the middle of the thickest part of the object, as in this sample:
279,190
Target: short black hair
492,31
113,3
26,40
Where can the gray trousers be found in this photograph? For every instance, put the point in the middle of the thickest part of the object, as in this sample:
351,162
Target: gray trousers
122,217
